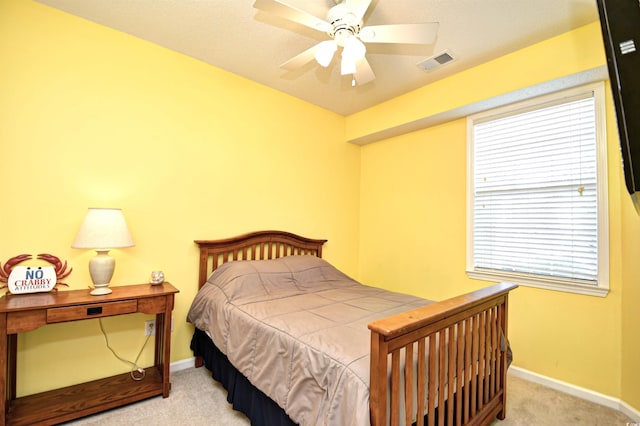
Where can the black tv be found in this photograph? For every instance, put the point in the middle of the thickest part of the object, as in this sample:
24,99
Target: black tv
620,22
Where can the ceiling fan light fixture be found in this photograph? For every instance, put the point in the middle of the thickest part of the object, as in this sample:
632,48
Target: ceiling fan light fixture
344,24
347,66
325,52
353,49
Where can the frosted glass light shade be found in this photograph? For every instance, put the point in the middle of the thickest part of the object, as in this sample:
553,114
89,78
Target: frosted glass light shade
325,52
354,49
347,66
102,230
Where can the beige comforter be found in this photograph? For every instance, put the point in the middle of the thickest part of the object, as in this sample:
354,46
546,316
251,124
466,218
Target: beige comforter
296,327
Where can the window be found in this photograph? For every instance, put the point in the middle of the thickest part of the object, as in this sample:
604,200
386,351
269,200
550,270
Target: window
537,193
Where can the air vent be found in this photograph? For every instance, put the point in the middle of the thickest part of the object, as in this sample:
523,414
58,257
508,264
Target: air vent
436,61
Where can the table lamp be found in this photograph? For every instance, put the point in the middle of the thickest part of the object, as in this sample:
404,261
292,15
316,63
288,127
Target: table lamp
103,229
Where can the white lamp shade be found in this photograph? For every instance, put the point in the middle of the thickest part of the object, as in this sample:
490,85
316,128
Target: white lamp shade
103,229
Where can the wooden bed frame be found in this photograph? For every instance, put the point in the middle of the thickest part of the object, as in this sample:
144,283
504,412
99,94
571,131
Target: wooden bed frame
473,325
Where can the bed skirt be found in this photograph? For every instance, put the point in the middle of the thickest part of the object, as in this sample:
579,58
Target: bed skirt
241,394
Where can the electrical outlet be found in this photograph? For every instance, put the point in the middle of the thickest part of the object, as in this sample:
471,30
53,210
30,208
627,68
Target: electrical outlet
150,328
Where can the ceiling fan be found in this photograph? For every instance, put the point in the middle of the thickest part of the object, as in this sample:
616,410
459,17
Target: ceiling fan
345,28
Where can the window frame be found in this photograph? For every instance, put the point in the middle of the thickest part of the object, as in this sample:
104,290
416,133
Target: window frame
538,281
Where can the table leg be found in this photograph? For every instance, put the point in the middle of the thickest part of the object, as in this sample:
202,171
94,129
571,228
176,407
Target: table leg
8,352
12,357
160,336
4,352
163,350
166,347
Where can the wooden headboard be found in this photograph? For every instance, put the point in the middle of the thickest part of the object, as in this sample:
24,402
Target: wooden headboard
258,245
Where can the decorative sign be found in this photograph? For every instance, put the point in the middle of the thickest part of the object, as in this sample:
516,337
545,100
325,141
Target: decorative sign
33,279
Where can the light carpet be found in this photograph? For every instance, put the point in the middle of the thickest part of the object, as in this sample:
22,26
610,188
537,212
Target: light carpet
197,400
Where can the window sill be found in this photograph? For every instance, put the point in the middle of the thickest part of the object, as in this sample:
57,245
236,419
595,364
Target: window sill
547,283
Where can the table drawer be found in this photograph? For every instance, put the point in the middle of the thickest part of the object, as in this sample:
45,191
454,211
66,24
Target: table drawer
94,310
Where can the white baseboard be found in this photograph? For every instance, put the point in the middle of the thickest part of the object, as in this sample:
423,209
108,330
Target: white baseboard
183,364
629,411
576,391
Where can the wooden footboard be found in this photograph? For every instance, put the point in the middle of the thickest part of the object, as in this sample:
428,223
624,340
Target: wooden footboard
449,357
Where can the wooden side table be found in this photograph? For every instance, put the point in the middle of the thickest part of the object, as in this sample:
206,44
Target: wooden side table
21,313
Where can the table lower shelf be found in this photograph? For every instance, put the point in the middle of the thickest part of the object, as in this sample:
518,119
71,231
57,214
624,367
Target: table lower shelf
72,402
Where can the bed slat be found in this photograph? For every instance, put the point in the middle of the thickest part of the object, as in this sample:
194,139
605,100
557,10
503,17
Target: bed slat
467,368
459,372
408,383
431,394
451,362
395,384
442,374
422,368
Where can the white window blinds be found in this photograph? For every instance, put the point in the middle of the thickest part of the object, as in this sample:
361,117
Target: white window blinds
535,192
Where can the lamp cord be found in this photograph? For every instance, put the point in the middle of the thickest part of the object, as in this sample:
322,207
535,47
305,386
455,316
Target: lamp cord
134,365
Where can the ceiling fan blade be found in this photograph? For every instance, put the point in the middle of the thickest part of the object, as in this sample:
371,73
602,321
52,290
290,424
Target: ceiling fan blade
364,73
400,33
293,14
358,7
301,59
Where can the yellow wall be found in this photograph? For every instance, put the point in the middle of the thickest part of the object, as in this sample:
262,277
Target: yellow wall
93,117
630,303
582,48
412,227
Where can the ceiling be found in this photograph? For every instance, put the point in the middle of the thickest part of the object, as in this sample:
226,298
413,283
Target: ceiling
234,36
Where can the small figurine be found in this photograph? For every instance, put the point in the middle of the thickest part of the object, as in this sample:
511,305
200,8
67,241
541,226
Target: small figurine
157,277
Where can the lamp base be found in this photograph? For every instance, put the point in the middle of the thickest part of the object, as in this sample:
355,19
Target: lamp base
101,268
101,290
